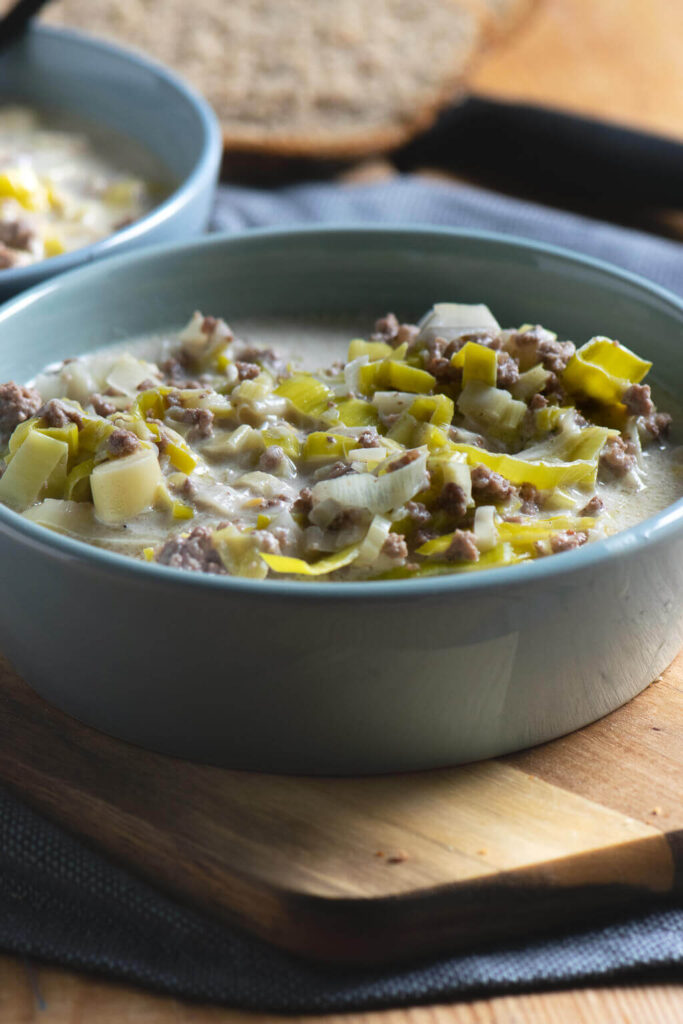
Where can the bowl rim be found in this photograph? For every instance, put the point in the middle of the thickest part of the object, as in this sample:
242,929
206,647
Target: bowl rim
660,527
206,163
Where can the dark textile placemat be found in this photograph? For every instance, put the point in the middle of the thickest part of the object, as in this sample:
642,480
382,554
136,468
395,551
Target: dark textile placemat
62,902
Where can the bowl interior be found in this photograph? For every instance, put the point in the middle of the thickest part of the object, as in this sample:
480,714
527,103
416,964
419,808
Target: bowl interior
339,270
106,86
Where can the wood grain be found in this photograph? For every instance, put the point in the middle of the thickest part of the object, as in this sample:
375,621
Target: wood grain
619,60
383,867
31,993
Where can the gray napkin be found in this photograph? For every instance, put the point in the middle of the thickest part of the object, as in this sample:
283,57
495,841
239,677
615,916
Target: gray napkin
412,200
62,902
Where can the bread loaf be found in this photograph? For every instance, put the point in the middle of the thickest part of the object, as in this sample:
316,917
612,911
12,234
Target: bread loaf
323,79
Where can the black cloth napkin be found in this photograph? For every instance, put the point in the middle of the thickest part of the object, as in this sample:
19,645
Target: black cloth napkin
61,902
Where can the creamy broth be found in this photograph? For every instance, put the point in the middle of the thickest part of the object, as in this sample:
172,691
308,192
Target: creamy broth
245,465
65,184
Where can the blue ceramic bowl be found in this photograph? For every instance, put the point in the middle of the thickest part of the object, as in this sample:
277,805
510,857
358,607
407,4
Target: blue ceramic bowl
111,88
354,677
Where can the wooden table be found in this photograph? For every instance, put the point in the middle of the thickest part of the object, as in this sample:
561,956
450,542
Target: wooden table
617,59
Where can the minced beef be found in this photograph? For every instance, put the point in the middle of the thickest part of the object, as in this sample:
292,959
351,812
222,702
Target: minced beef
452,500
395,546
16,405
369,439
195,552
273,460
101,406
488,486
658,424
57,414
17,234
8,257
530,498
638,401
335,470
462,548
201,419
122,442
567,540
508,370
618,456
304,503
418,512
537,401
391,332
247,371
539,346
594,506
404,460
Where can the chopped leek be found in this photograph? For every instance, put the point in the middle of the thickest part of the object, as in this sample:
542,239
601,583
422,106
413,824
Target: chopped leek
298,567
437,409
39,462
123,488
391,374
604,369
543,475
308,396
477,363
353,412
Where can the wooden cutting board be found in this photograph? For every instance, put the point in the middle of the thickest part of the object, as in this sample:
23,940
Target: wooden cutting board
377,868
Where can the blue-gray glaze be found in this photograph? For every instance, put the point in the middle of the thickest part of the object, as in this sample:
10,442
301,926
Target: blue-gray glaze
341,678
84,77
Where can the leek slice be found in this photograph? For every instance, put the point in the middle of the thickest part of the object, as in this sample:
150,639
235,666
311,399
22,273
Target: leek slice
179,452
77,485
372,349
308,396
287,440
437,409
320,445
123,488
390,374
604,369
502,554
21,432
354,412
484,528
545,476
38,462
24,185
494,409
239,553
372,544
477,362
376,494
530,382
127,372
68,434
525,535
298,567
375,350
452,319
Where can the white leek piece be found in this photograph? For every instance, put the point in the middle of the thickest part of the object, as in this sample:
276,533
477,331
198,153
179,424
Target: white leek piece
485,532
373,542
123,488
128,372
376,494
39,461
452,319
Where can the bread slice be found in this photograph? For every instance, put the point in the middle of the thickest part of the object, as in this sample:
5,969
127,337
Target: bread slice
327,79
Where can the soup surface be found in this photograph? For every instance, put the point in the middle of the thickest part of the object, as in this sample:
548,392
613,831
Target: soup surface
449,446
62,188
